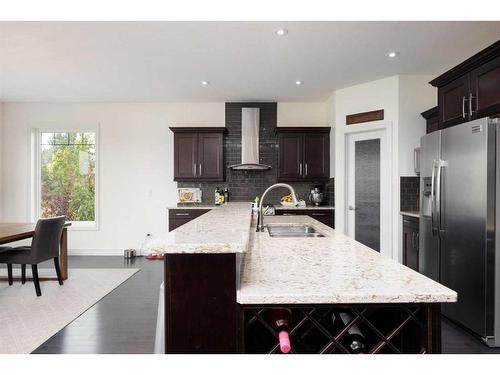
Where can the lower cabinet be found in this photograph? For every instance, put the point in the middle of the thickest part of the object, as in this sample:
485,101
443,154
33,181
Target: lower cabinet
326,216
180,216
410,242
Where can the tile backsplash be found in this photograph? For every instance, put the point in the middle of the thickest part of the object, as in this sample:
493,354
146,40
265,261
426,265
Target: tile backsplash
246,185
410,193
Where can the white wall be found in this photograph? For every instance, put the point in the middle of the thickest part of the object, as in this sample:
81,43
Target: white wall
415,96
303,114
403,98
135,157
380,94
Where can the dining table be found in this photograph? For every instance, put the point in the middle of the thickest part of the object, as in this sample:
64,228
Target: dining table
11,232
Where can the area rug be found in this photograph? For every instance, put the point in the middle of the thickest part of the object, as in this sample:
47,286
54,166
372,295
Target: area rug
27,321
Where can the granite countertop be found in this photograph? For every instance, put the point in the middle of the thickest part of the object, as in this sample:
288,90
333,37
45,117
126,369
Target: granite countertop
308,207
224,230
331,269
327,270
205,206
410,213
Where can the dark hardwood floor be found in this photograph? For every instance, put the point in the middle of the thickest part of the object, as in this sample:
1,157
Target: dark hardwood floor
122,322
125,320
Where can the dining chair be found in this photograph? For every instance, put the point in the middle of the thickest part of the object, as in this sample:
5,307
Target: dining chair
44,246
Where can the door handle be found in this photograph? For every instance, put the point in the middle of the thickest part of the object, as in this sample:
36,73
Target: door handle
463,107
433,207
471,97
306,169
300,169
194,169
200,170
351,208
440,165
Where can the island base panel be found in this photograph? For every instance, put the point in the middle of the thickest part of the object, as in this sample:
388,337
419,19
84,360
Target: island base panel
200,300
387,328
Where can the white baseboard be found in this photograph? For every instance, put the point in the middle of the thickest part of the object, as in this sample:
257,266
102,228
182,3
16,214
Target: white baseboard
102,252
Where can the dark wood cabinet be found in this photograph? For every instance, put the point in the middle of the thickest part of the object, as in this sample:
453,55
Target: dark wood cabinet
290,156
181,216
326,216
431,117
316,155
185,156
304,153
410,242
452,102
200,303
485,89
198,154
471,90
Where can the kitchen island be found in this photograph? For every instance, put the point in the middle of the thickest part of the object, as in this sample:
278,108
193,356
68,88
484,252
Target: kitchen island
221,277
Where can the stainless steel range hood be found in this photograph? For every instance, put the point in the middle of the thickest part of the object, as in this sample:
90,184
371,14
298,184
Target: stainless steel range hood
250,120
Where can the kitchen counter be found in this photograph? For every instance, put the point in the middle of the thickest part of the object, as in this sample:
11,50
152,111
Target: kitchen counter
410,213
329,270
223,230
205,206
220,272
281,207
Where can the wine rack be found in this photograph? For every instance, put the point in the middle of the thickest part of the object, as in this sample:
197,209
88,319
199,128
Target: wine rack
389,328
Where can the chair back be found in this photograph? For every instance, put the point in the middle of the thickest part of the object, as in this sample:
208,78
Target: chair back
46,239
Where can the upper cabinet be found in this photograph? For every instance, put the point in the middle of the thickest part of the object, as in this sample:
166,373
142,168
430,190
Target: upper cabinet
452,100
470,90
485,89
431,119
304,153
198,154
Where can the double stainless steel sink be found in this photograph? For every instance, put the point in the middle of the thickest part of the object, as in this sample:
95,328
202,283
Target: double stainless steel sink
297,230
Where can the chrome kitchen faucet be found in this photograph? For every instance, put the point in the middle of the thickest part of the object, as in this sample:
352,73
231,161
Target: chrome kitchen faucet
260,218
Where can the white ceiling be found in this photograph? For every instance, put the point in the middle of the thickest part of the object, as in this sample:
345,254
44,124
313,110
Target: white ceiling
165,61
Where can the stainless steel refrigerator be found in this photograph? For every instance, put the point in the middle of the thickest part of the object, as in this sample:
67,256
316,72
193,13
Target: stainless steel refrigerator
458,214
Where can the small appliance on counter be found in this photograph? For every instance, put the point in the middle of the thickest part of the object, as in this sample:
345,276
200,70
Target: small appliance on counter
188,195
316,195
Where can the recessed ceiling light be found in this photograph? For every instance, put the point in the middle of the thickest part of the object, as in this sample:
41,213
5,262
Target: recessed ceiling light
393,54
281,32
299,82
205,83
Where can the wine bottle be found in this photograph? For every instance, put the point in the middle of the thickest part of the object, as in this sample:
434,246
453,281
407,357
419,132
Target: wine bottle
226,195
281,321
217,194
354,339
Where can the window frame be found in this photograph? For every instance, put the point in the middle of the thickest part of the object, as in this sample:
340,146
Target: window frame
36,175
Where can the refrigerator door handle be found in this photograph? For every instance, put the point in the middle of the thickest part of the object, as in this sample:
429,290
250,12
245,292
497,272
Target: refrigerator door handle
434,229
440,165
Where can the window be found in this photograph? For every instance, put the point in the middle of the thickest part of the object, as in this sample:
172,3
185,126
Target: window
66,171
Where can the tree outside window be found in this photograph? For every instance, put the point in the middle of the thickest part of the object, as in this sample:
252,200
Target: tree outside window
67,173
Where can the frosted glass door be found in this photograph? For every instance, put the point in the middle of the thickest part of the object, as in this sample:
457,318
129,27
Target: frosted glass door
367,192
368,206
